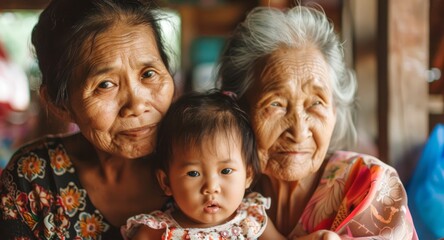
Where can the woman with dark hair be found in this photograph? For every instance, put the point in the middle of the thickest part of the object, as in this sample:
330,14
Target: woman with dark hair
288,71
104,67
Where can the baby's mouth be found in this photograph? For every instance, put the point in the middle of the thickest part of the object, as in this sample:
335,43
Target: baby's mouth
211,207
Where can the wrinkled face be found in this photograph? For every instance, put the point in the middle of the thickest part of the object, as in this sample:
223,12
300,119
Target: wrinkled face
125,94
292,112
207,185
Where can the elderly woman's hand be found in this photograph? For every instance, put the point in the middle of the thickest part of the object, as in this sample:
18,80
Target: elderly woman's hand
319,235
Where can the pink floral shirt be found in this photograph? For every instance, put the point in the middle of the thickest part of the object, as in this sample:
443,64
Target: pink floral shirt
249,223
358,197
41,197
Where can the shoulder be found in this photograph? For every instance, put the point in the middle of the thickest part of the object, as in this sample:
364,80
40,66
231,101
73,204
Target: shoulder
348,158
361,169
253,215
39,148
31,185
255,199
37,145
36,159
365,195
154,220
29,162
254,207
374,196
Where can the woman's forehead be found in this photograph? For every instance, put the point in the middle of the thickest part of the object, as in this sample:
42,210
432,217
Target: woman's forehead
134,45
295,66
120,37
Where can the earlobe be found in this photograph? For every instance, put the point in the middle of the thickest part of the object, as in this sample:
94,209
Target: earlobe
164,183
59,111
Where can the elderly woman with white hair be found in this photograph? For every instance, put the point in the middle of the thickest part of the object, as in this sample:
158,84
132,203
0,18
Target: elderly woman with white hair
288,72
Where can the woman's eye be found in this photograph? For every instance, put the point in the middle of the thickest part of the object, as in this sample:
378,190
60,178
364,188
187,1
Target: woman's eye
315,103
148,74
193,173
276,104
227,171
105,84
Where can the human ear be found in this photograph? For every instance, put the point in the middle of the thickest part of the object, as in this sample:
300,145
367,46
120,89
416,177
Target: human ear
61,112
164,183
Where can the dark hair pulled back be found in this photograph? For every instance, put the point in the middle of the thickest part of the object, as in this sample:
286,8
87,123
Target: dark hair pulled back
64,27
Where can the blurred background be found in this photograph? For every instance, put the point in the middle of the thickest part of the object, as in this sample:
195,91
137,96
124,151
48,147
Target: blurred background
395,47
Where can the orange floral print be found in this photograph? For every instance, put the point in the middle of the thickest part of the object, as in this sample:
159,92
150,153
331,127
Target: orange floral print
31,167
90,226
72,199
41,197
60,162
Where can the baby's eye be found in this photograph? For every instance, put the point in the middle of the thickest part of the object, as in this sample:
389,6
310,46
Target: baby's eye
148,74
193,173
105,84
227,171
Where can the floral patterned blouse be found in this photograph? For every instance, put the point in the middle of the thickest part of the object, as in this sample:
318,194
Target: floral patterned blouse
249,223
358,197
42,198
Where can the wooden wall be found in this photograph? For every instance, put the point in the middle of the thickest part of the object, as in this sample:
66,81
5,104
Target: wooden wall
403,30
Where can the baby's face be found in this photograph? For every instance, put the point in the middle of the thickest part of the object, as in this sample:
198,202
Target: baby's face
208,184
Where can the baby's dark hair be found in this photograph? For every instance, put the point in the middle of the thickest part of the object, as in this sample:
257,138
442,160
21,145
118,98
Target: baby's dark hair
197,117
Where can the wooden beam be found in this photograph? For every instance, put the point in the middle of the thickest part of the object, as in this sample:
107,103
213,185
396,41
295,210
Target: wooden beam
22,4
402,80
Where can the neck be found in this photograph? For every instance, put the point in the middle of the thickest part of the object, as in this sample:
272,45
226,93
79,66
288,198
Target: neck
288,199
108,168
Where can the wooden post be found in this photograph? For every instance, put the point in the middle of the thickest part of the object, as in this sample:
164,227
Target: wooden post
23,4
403,37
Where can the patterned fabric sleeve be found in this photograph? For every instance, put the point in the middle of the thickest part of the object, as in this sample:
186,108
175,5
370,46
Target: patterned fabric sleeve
155,220
41,197
254,207
16,218
359,197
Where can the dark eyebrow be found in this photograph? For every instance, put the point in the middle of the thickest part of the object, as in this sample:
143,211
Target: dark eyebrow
93,71
195,163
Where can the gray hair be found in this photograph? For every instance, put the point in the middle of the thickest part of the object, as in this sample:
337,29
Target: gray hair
267,29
